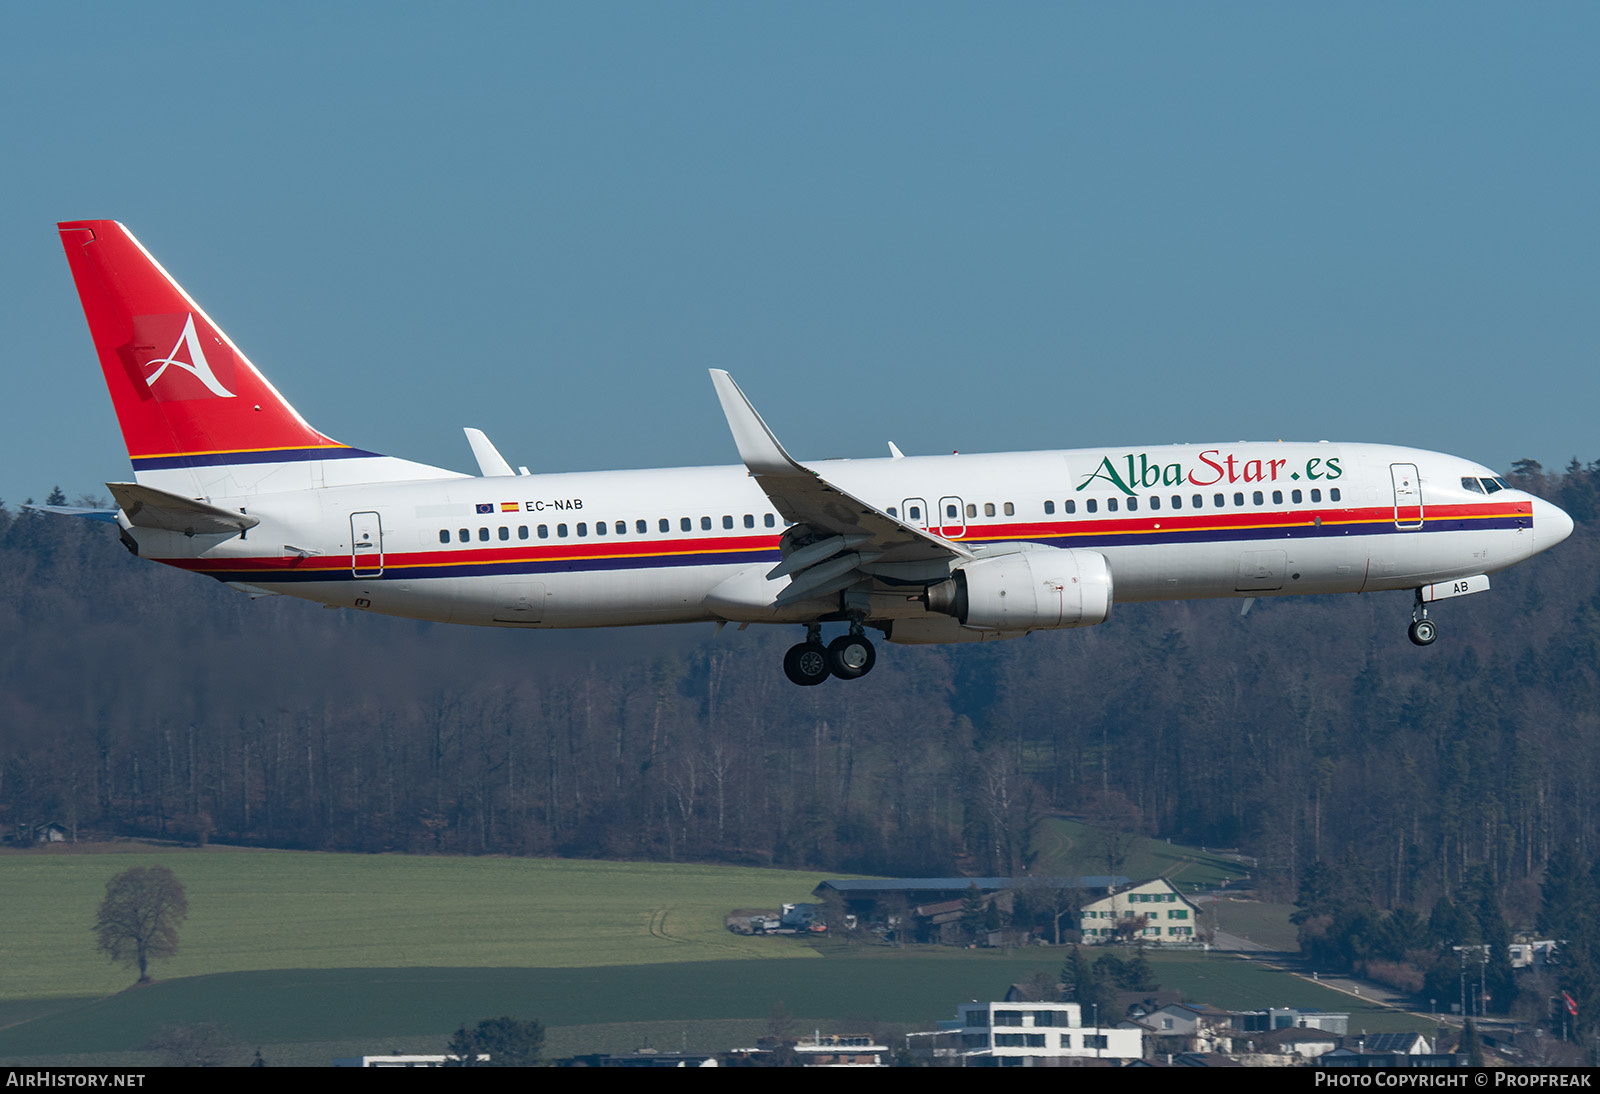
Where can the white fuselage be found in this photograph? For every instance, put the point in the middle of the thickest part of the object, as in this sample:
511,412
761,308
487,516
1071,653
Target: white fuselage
616,548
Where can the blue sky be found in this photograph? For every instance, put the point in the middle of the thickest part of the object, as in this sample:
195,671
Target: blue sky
966,227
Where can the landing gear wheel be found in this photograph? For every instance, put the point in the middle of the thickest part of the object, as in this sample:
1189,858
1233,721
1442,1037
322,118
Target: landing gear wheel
806,664
851,656
1423,632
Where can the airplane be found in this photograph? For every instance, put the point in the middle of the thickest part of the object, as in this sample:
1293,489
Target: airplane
231,482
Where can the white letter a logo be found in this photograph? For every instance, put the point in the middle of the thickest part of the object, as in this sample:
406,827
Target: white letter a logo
196,365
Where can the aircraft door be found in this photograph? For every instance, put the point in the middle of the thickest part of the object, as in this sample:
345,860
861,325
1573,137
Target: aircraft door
952,518
914,511
1407,495
366,545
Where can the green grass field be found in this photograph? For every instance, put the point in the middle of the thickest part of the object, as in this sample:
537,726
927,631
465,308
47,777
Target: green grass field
1069,848
1262,923
311,956
310,1015
255,910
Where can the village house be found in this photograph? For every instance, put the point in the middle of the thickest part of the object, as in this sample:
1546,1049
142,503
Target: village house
1153,911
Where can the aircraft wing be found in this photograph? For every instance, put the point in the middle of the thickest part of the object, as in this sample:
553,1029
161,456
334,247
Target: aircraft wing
842,538
109,516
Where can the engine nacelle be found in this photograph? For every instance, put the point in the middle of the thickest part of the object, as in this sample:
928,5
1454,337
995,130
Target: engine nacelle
1036,589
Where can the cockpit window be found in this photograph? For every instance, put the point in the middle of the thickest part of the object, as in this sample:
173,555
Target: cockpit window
1492,485
1472,484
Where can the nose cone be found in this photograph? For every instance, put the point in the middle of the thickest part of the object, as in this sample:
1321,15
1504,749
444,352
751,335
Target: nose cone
1551,524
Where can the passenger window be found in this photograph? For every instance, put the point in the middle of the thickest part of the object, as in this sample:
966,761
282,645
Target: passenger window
599,528
1111,505
622,527
988,509
1177,501
1049,508
1010,510
951,512
1256,497
583,529
1238,499
1069,506
1333,494
444,535
1316,495
522,531
640,527
544,531
727,521
1277,497
889,510
561,531
1295,496
505,532
463,535
483,535
1089,505
1133,505
749,520
665,525
705,524
1199,501
686,524
1155,502
771,521
1219,501
972,510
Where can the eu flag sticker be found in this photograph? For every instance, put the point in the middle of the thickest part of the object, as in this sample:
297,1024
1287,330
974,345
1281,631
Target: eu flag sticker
488,508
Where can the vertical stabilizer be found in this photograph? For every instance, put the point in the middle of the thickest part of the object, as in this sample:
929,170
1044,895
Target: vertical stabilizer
197,417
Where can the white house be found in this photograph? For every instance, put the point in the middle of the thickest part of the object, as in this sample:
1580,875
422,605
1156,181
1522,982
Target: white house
1151,910
1028,1035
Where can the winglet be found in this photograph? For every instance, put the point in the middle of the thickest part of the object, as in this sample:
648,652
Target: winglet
758,448
490,462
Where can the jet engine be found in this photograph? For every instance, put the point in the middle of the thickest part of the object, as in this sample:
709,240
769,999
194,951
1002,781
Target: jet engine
1035,589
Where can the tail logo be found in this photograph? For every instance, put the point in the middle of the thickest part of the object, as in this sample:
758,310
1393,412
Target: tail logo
196,365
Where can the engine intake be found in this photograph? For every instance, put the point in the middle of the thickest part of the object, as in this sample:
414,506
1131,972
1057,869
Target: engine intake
1037,589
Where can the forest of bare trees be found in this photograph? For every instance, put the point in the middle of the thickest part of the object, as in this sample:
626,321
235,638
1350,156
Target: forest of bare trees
137,700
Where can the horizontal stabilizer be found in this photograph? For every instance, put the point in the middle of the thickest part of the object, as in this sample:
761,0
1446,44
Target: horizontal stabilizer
147,507
107,515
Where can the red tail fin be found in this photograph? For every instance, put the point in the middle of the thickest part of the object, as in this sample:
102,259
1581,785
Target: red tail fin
185,395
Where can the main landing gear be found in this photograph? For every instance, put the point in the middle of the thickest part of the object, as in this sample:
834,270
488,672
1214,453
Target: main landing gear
1423,631
849,657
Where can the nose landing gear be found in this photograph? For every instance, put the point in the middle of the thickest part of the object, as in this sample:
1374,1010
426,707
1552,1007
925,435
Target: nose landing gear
1423,630
849,657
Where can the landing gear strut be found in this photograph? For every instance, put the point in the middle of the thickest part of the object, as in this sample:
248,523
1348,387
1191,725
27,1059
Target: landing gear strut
849,657
1423,631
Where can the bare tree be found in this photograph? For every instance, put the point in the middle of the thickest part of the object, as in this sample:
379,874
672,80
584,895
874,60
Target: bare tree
139,917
